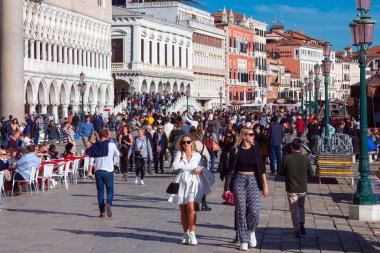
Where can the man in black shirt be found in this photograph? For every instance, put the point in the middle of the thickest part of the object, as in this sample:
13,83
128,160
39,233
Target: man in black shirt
313,132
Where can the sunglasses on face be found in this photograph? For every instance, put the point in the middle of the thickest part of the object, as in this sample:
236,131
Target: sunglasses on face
186,142
251,134
228,136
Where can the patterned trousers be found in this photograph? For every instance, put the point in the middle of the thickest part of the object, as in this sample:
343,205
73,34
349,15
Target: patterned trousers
247,205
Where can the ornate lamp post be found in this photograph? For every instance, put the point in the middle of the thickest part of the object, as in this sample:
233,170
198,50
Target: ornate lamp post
187,99
326,69
220,97
317,84
131,87
311,79
82,88
362,30
166,93
306,81
302,94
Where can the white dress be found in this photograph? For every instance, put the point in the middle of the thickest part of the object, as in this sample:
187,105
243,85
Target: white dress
189,182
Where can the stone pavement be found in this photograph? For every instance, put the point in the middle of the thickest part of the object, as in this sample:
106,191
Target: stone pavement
143,221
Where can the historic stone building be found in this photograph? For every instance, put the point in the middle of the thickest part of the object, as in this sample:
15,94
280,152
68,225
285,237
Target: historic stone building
149,54
61,40
207,60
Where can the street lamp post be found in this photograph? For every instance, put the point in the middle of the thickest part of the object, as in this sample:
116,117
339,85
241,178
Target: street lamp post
220,97
317,84
311,79
306,80
166,92
131,86
302,94
82,88
362,30
326,69
187,99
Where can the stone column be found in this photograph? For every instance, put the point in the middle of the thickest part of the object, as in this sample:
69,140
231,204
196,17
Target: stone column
32,44
50,59
55,111
92,108
65,58
70,56
43,51
32,107
60,54
75,107
136,46
55,53
38,50
44,105
75,56
12,58
65,112
100,107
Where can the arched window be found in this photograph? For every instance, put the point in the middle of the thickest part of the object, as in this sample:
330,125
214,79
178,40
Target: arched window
100,3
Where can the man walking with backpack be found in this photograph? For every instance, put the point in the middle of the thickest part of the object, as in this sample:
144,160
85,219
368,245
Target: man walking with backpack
102,154
295,169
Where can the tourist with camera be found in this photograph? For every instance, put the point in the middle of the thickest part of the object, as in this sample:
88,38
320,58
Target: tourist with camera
140,151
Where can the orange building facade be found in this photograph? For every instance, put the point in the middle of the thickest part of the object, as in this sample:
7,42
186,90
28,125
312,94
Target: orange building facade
240,58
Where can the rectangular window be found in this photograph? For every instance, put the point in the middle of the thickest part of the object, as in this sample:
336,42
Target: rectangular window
166,54
100,3
158,53
117,50
180,56
142,50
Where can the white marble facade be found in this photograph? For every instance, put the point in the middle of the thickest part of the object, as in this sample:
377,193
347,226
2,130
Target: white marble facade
60,44
150,54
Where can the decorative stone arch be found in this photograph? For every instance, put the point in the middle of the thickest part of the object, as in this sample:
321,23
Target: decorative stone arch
167,87
182,87
99,95
121,88
63,94
160,87
144,86
91,98
29,91
53,94
42,93
175,87
107,94
152,87
188,87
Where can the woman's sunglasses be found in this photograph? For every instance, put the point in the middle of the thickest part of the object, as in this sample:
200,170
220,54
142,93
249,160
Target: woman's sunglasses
251,134
186,142
229,136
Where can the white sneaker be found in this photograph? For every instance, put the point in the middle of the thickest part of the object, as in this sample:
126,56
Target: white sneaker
137,180
252,240
185,239
192,238
142,182
244,246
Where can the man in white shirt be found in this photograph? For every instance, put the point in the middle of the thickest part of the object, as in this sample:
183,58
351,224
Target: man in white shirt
104,166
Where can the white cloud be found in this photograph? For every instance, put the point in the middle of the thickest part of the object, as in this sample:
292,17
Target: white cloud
286,9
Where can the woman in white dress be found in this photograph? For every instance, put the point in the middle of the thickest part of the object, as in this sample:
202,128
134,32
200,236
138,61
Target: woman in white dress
191,189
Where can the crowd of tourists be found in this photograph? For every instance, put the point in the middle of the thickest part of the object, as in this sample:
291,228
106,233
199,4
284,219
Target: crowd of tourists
145,138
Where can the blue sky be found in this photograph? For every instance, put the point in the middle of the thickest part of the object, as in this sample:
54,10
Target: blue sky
323,19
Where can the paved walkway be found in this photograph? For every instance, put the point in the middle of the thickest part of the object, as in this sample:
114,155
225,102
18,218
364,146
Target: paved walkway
143,221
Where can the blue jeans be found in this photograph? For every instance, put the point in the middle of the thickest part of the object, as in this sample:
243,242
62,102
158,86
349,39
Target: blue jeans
35,140
275,150
212,159
104,178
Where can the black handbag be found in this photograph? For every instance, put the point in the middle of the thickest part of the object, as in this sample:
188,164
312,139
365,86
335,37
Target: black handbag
172,188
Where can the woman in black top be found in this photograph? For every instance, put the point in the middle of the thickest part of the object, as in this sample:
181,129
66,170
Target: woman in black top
125,141
226,144
246,179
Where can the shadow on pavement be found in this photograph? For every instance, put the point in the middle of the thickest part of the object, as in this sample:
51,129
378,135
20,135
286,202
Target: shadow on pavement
36,211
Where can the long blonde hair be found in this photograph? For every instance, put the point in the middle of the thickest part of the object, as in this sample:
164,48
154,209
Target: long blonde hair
243,132
179,143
